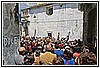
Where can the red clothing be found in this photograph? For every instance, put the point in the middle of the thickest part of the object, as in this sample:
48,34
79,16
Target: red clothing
61,45
76,54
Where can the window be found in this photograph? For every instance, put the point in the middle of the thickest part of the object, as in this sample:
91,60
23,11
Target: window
49,10
25,12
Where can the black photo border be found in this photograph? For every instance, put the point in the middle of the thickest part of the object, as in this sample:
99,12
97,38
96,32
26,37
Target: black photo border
50,65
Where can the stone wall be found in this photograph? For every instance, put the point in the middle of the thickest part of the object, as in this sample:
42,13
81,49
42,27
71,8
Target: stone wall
10,34
90,23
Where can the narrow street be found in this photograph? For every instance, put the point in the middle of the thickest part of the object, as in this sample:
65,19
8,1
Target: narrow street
50,33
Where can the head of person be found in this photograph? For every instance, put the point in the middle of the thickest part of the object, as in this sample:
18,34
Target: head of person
48,48
29,60
84,47
68,54
27,37
58,33
77,49
22,50
92,58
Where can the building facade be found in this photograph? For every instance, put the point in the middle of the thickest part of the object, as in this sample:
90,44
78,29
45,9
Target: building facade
89,22
53,18
10,28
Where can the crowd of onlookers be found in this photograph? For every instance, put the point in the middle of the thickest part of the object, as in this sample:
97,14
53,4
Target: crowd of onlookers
52,51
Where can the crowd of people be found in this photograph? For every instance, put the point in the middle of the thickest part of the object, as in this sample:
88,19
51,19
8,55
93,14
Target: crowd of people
52,51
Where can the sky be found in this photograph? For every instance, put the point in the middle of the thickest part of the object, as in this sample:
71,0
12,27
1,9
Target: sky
26,5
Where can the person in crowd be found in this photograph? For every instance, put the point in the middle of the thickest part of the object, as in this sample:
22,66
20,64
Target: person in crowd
58,61
79,42
82,59
22,42
48,57
19,58
58,37
58,51
76,54
68,57
37,53
90,57
29,58
92,60
67,38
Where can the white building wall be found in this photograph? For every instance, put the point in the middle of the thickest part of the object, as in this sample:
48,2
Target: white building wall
62,20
